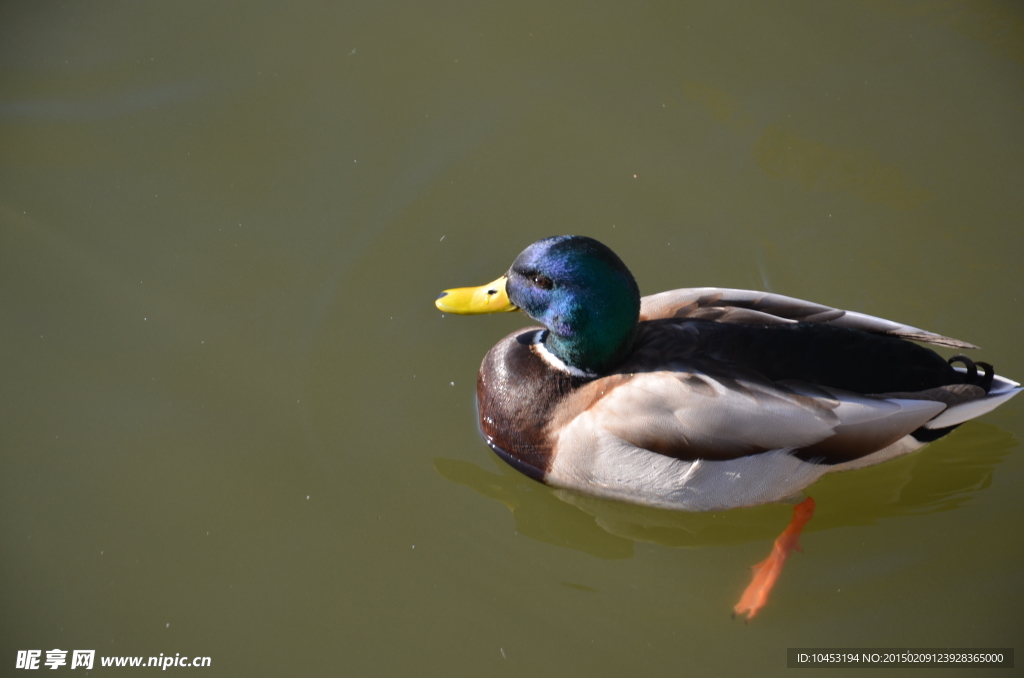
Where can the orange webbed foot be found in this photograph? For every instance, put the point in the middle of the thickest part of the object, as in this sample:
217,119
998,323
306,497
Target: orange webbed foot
767,572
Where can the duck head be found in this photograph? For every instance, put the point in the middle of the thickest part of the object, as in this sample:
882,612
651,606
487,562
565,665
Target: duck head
573,285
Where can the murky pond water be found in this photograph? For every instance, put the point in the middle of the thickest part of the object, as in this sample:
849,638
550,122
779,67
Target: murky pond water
235,426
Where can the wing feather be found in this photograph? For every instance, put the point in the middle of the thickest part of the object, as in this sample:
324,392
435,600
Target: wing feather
732,305
675,415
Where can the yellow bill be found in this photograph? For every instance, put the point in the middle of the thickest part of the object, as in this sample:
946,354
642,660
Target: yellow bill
490,298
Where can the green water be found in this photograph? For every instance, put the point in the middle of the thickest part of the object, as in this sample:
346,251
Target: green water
234,425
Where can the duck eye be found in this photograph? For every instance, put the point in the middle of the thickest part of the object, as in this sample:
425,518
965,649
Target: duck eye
543,282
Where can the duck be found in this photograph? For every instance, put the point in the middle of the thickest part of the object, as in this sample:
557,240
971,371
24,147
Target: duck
702,399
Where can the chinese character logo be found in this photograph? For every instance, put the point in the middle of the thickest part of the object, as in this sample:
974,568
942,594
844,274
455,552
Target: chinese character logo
83,658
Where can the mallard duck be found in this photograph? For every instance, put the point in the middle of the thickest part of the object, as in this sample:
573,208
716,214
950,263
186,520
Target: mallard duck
704,398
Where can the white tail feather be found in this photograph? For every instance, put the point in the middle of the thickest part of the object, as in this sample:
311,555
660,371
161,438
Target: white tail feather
1002,390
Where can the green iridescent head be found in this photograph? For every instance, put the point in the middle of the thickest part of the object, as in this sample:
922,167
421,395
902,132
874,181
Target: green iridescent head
577,288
